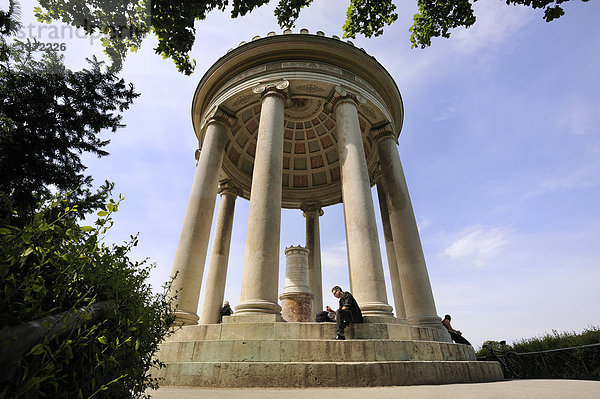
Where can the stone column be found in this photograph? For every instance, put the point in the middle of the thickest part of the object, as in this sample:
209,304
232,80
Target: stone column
214,287
391,253
260,274
364,257
193,241
296,300
313,244
416,288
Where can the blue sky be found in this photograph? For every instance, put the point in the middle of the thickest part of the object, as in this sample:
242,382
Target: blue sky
500,147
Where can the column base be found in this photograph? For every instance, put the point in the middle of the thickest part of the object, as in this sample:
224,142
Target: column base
257,306
185,318
429,321
379,309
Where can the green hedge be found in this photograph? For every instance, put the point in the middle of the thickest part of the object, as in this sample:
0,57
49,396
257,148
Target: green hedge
568,355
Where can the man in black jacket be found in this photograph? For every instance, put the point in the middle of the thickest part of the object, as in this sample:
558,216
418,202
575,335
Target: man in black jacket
349,312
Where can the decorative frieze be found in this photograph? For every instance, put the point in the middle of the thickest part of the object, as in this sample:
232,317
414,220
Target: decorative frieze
310,88
243,99
311,65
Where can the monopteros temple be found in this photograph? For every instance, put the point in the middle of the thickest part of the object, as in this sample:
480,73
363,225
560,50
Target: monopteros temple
304,121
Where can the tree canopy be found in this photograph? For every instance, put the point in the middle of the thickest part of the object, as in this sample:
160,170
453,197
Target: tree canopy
54,272
49,116
125,23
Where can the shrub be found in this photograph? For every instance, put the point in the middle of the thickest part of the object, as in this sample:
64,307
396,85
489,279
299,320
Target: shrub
53,265
557,355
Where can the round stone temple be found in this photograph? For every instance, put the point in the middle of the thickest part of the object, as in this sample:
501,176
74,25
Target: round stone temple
313,72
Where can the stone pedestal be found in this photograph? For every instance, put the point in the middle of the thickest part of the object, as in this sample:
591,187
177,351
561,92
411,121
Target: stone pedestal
296,300
297,306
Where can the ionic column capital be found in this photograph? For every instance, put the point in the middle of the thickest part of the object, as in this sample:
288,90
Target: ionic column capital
226,187
311,207
219,115
377,172
383,132
277,87
341,95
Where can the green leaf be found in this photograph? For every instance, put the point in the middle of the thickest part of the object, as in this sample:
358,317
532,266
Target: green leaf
27,252
87,228
102,213
37,350
103,340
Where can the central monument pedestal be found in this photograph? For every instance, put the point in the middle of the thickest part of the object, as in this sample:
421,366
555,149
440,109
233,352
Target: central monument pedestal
239,354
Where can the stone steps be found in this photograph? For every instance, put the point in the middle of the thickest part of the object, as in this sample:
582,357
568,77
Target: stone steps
326,374
288,350
279,354
275,330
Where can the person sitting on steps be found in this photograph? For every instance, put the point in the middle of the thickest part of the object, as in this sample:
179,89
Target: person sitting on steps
349,311
456,335
225,311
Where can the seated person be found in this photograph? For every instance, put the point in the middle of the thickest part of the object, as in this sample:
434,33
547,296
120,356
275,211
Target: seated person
454,334
349,311
225,311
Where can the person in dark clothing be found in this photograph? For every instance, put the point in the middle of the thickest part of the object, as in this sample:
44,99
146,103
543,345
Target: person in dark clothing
349,311
225,311
456,335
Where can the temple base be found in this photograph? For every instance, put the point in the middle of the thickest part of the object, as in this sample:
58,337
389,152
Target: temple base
274,354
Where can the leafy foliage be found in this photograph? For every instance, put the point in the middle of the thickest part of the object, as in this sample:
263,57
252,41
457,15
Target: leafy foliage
288,11
52,265
49,265
125,23
49,116
552,8
368,17
436,18
542,360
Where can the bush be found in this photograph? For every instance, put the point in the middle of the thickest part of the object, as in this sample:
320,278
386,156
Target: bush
548,356
578,363
52,265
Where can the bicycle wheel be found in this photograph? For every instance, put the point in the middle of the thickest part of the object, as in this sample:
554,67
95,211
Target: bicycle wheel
514,365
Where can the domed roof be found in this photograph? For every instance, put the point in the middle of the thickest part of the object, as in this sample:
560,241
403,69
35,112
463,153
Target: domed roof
314,65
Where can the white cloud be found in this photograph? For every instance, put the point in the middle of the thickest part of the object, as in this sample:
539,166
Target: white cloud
495,24
578,179
423,223
477,245
334,258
